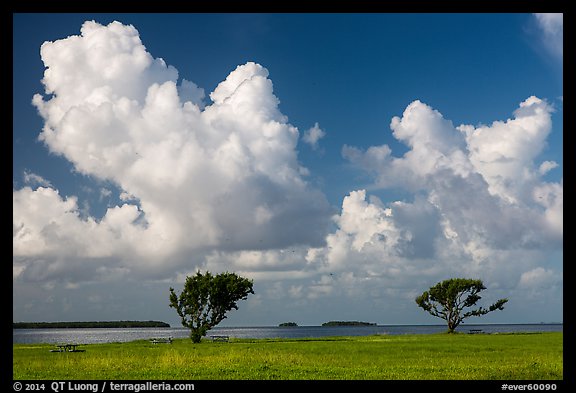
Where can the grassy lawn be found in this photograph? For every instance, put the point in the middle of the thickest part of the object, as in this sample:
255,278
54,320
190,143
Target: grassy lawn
534,356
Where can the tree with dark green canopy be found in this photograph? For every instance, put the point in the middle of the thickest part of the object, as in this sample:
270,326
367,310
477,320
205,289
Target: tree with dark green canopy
206,298
449,298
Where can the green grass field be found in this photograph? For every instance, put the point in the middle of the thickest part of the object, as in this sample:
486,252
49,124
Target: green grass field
534,356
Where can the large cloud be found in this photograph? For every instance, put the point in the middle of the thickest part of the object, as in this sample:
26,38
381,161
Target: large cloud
485,181
193,176
480,203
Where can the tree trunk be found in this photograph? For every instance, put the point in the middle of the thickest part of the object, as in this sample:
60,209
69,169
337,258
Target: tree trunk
195,336
451,326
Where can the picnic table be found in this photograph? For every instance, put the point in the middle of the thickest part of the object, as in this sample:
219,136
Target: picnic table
68,347
161,340
220,338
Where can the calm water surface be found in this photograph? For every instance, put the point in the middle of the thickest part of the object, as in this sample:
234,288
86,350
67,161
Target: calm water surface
101,335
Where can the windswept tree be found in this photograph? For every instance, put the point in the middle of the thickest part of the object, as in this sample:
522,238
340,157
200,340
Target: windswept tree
449,299
206,298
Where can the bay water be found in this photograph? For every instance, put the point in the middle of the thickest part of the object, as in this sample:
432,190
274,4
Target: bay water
104,335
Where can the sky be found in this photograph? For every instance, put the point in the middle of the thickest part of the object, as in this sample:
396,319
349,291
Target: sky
344,162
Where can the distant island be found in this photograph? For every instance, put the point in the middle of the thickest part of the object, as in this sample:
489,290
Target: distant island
91,325
285,324
348,323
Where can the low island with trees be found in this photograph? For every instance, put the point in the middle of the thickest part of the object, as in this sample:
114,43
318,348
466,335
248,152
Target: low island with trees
348,323
89,325
288,324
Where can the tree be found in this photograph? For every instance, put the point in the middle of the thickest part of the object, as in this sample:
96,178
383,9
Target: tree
205,300
449,298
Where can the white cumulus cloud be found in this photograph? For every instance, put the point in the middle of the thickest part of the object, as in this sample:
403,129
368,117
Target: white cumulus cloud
193,176
552,27
313,135
478,207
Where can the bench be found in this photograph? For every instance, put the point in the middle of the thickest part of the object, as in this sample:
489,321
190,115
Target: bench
474,331
161,340
220,338
67,348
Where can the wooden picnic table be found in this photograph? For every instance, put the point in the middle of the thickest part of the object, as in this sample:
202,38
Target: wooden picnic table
220,338
68,347
161,340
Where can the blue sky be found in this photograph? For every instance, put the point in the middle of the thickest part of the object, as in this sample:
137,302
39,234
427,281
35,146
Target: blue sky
345,162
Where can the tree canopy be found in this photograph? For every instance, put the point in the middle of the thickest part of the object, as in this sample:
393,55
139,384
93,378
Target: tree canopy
206,298
448,299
